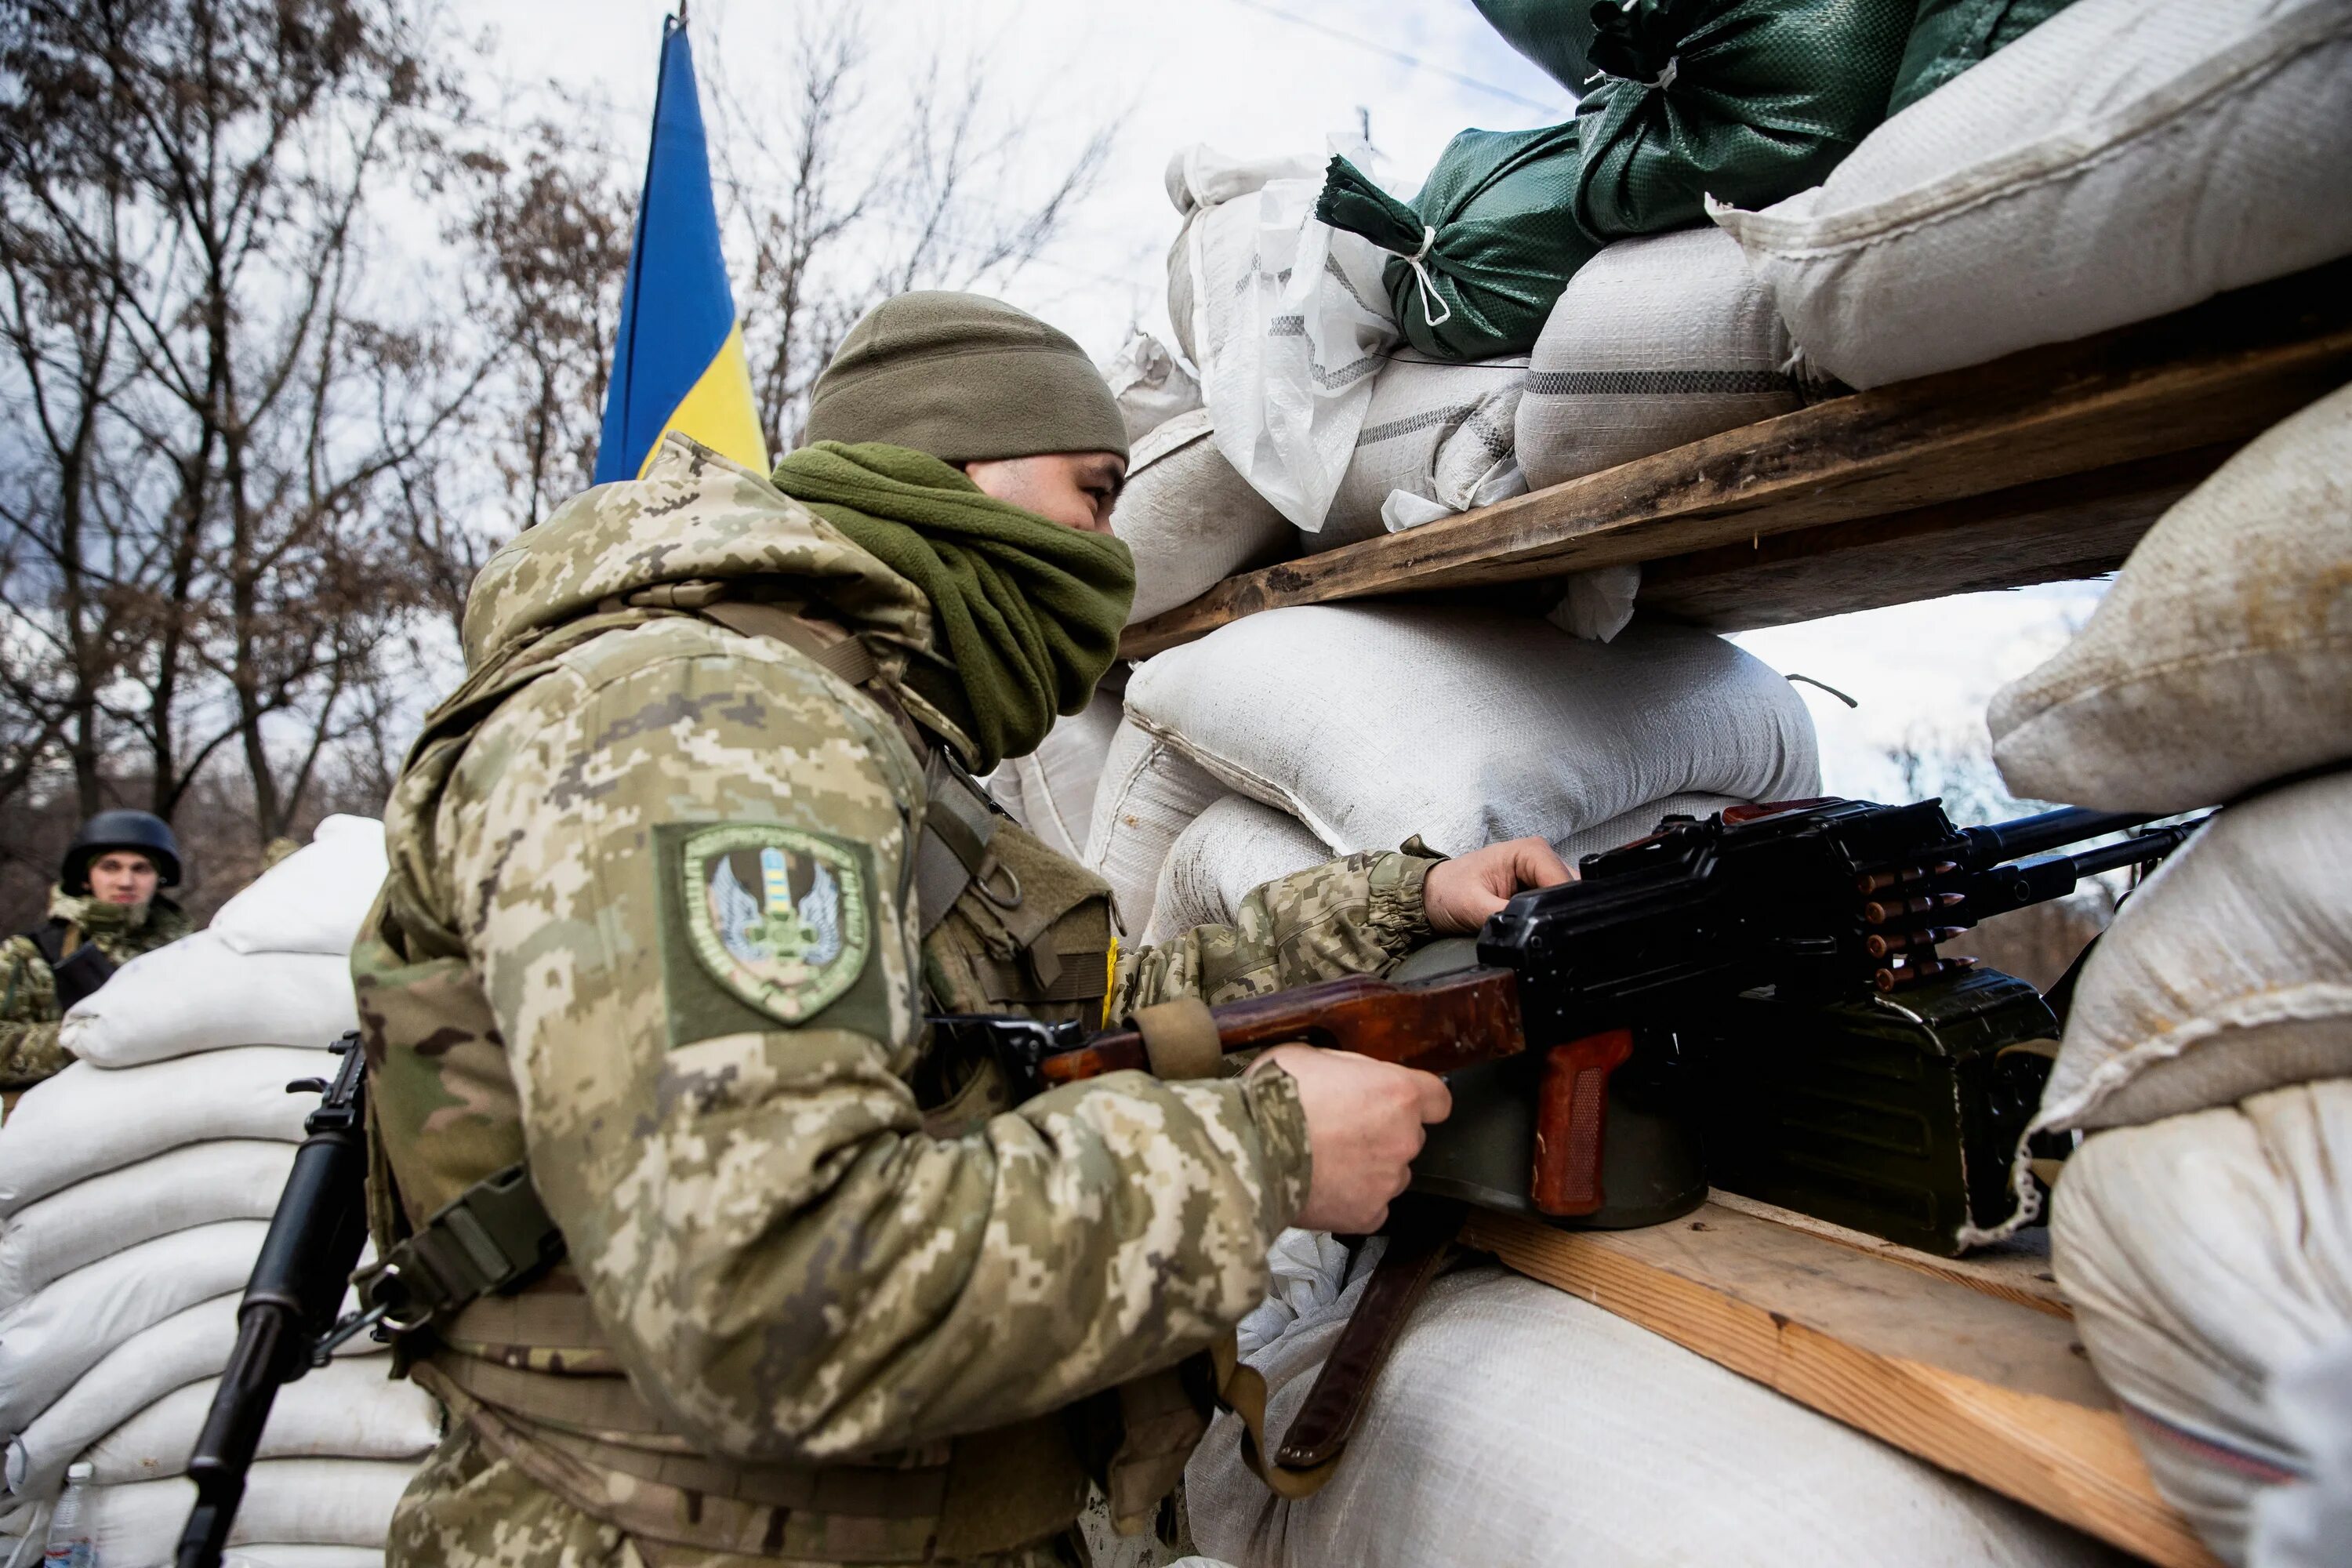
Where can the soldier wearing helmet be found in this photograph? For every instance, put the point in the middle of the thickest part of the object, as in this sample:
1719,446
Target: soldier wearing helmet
106,910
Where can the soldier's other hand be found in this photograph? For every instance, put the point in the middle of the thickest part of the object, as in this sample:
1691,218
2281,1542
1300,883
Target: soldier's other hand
1463,893
1364,1128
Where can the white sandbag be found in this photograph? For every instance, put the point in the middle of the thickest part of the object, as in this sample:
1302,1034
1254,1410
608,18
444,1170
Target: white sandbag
1517,1424
2203,1255
2221,658
1051,792
2229,973
287,1502
280,1554
2124,159
186,1347
1189,518
1369,724
1289,321
89,1119
1149,385
2305,1523
1437,432
200,994
1231,848
1148,795
349,1409
50,1341
238,1179
313,901
1655,342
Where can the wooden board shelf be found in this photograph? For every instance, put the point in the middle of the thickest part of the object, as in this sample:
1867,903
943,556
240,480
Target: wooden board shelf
1973,1365
2044,466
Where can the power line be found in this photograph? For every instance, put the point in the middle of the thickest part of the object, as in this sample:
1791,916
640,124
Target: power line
1416,61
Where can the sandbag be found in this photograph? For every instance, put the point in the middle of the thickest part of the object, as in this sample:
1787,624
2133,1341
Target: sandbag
2203,1255
50,1341
187,1347
1746,101
1438,433
1149,385
2228,973
1189,518
1373,723
2221,658
89,1119
238,1179
200,994
1148,795
287,1502
315,899
1289,321
2304,1523
1655,343
1478,256
1948,37
2124,159
1051,792
1517,1424
349,1409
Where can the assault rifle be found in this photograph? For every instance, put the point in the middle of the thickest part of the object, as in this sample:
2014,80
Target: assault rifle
1755,997
288,1324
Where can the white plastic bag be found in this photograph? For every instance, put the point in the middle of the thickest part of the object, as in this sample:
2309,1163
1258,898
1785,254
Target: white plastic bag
239,1178
1189,519
200,994
1149,387
1436,440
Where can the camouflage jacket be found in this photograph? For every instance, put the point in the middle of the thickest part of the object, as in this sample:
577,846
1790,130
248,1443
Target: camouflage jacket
29,1013
679,866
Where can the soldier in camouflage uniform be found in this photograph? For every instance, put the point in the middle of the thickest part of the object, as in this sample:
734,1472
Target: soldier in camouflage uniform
105,911
676,875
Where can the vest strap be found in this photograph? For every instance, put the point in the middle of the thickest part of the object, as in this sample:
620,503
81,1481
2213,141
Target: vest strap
491,1237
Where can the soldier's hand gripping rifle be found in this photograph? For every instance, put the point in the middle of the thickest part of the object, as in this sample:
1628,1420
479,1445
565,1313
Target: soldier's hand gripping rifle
286,1324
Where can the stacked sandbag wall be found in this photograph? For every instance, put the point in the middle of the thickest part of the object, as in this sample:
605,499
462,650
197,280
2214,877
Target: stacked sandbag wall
135,1189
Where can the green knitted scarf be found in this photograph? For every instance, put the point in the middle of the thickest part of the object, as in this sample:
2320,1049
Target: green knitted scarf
1027,612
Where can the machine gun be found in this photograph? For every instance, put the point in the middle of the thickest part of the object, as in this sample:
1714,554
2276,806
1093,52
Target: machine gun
288,1324
1756,998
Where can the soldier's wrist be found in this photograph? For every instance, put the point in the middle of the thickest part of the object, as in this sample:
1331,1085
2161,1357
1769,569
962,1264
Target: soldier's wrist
1397,917
1280,1117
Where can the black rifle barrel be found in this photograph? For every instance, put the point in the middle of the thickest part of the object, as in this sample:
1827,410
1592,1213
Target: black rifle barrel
2032,835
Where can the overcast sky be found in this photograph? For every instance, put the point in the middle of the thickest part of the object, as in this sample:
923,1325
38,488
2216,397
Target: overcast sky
1255,77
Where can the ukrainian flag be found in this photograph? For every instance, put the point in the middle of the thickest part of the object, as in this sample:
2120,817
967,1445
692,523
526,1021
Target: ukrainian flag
678,364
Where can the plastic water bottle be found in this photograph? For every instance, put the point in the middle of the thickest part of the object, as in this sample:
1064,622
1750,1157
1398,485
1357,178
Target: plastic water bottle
69,1544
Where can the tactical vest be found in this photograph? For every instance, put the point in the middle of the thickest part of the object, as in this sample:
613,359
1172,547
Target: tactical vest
1007,925
78,966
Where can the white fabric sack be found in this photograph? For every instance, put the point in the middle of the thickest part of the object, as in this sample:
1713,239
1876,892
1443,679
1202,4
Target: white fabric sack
238,1179
1372,723
2203,1254
2124,159
186,1347
1307,1269
89,1119
2222,658
1148,795
2229,973
2305,1523
350,1409
1655,343
1437,431
1232,848
50,1341
1051,792
308,1502
280,1554
1197,178
1149,385
1189,518
1289,321
199,995
316,899
1517,1424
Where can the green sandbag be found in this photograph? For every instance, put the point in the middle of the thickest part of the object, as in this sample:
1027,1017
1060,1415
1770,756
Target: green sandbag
1948,37
1746,101
1505,241
1551,34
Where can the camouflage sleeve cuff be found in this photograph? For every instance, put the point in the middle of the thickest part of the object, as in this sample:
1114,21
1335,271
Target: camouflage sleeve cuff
1396,918
1272,1096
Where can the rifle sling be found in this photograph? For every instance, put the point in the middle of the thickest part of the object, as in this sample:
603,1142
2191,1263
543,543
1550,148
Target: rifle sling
77,967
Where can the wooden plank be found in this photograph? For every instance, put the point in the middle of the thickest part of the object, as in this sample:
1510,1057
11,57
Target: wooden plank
2017,1269
1939,1367
2210,376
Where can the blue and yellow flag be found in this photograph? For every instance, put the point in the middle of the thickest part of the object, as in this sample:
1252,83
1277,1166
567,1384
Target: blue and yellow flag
678,362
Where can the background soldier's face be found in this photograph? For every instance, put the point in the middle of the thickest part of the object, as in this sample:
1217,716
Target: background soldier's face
120,877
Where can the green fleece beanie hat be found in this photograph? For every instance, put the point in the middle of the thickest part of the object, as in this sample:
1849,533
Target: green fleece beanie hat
964,379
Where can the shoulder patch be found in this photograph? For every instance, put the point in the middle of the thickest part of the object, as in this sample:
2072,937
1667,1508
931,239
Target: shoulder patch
780,917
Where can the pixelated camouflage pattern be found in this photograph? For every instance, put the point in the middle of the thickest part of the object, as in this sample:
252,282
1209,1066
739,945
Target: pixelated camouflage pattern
29,1014
791,1269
